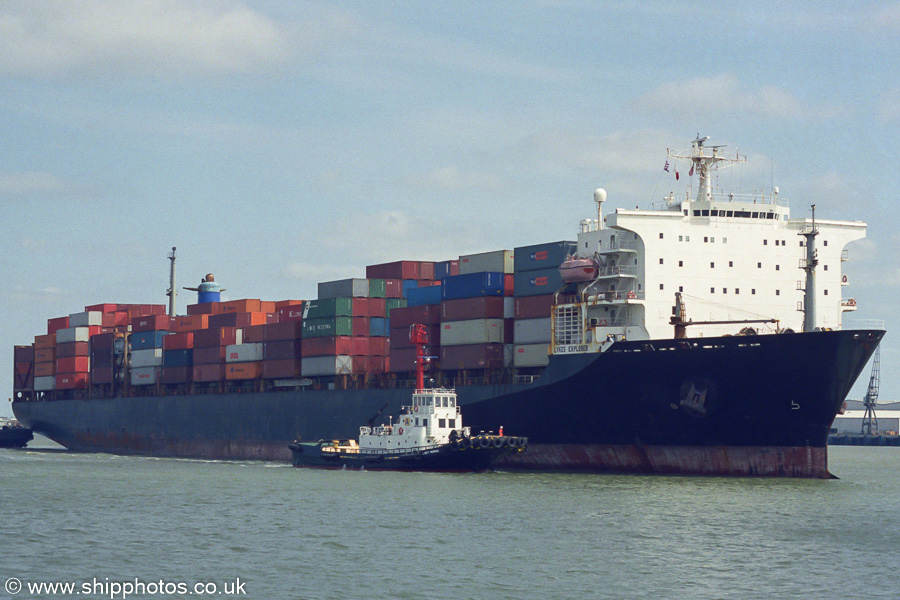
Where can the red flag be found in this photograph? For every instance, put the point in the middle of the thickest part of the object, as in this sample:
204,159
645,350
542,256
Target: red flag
676,174
691,173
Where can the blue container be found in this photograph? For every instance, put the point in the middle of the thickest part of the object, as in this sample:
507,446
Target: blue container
446,269
537,283
178,358
409,284
542,256
145,340
472,285
424,295
378,327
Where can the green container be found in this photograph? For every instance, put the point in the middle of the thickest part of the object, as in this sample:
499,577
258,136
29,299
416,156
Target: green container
327,327
392,303
326,308
377,288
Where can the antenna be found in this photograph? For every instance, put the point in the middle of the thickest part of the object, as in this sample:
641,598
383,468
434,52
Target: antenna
172,292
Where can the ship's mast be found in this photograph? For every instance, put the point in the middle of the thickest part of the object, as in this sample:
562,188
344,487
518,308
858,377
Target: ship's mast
704,160
172,292
809,265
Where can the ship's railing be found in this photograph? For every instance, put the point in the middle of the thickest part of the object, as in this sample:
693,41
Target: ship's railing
617,244
612,295
617,270
399,451
863,324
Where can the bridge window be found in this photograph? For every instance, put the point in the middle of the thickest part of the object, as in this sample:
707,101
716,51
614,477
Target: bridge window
442,423
452,424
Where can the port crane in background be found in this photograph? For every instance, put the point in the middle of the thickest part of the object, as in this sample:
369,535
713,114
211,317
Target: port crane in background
870,421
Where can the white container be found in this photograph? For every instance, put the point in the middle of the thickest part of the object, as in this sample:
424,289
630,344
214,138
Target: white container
86,319
73,334
475,331
509,307
151,357
499,261
532,331
344,288
236,353
326,365
530,355
144,375
44,384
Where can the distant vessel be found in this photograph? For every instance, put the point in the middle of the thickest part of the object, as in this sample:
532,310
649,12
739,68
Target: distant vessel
13,435
584,364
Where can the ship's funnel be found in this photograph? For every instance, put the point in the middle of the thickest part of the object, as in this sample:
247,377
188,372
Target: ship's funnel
208,290
599,198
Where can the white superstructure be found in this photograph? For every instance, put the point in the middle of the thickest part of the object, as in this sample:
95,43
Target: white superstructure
732,257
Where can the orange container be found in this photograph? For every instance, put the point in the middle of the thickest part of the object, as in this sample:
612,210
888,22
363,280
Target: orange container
44,355
45,341
45,369
248,370
246,305
190,323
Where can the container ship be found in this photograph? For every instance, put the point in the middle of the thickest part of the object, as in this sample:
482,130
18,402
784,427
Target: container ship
701,336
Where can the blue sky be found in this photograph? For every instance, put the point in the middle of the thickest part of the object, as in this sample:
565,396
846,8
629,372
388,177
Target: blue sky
278,144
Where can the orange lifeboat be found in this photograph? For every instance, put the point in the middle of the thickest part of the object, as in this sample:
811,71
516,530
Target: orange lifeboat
577,269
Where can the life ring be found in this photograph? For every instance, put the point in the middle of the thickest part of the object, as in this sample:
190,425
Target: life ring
602,323
844,279
632,295
401,431
851,302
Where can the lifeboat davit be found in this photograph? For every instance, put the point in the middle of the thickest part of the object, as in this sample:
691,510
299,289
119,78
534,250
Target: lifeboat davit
577,269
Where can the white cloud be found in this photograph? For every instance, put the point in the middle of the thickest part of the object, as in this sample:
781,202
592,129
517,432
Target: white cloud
725,94
152,37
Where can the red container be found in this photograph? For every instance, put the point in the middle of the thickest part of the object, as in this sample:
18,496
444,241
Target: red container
290,313
154,309
45,341
71,381
44,369
360,346
359,326
485,307
23,368
101,375
429,314
70,349
287,330
533,307
326,346
104,308
207,308
377,307
43,355
393,288
400,336
283,350
190,323
23,353
509,282
360,307
376,364
281,369
426,271
209,356
242,306
222,336
179,341
54,325
401,269
472,356
255,334
176,375
150,323
378,346
205,373
403,360
239,371
241,320
73,364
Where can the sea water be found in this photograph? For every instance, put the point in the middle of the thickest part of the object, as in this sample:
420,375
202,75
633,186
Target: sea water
136,527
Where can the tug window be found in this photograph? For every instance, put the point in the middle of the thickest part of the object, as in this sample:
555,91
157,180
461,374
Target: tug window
452,423
442,423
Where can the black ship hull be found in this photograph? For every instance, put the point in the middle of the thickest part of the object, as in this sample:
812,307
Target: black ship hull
739,405
475,454
15,437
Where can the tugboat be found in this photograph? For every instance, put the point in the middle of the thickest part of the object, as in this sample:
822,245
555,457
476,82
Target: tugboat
13,435
429,435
